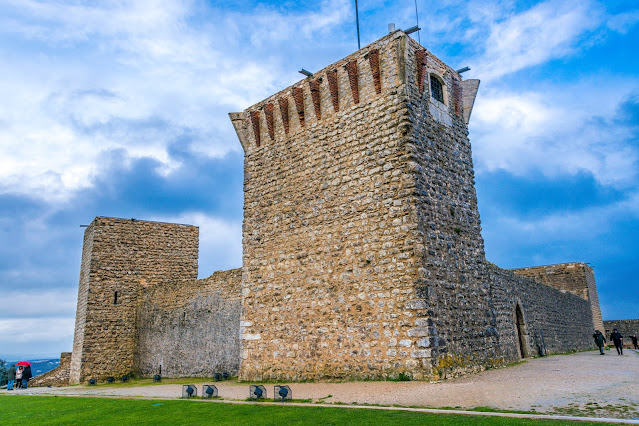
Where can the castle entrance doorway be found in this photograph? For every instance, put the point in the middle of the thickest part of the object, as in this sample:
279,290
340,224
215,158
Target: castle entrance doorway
522,347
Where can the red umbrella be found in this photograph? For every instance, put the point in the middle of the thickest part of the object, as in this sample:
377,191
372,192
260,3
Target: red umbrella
23,363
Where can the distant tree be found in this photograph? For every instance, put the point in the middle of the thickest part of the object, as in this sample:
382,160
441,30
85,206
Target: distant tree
3,372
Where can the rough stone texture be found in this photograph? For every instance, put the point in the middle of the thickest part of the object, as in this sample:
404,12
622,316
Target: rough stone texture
362,249
314,87
449,250
564,320
191,329
576,278
333,87
81,310
122,257
317,206
626,327
363,255
59,376
420,64
284,111
255,121
268,112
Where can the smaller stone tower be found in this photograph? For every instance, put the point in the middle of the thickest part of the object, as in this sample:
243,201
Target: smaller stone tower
119,258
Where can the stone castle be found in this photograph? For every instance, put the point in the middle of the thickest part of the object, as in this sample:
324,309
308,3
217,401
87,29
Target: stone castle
362,251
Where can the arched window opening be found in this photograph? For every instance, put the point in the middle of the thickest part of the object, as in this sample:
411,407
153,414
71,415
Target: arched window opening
436,88
115,298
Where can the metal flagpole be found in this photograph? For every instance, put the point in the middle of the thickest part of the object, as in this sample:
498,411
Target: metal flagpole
419,39
357,22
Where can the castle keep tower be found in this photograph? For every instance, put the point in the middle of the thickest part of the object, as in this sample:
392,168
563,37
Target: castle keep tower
358,194
363,256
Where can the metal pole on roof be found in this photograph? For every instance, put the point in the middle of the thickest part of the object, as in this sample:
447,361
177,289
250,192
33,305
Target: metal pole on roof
357,22
419,39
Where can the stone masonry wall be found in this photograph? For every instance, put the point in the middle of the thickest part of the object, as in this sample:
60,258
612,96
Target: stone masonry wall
363,255
191,329
453,327
327,239
121,257
576,278
626,327
59,376
564,319
77,353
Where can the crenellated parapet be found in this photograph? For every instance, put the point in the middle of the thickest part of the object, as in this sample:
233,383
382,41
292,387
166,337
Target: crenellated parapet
358,79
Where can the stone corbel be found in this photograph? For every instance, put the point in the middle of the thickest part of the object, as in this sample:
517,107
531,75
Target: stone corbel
469,93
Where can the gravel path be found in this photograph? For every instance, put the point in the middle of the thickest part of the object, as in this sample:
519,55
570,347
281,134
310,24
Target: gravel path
583,384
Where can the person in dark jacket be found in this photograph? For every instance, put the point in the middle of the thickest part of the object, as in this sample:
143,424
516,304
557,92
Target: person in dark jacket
600,339
11,377
634,341
617,339
26,375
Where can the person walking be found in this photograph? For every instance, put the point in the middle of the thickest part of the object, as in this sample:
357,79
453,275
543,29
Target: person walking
19,377
634,341
600,339
11,377
26,375
617,339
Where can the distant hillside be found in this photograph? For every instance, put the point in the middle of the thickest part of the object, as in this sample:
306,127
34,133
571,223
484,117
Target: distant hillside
39,366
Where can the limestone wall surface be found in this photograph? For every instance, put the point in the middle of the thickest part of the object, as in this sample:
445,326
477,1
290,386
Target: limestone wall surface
466,312
453,325
362,249
121,257
576,278
564,320
327,235
626,327
75,368
191,329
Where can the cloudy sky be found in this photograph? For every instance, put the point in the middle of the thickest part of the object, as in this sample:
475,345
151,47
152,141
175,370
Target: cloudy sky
119,108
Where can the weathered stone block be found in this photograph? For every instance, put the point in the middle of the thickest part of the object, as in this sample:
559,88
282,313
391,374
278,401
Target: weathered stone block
417,304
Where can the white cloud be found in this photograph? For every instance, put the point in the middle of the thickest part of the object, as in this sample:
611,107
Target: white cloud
133,76
557,131
14,332
623,22
269,25
574,225
55,303
139,76
546,31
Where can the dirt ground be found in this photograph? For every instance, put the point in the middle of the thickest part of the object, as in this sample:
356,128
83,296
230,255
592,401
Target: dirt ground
585,384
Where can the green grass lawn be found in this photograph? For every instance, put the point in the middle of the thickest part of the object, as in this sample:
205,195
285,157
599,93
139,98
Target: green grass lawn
48,410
